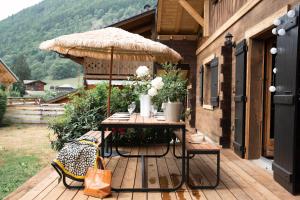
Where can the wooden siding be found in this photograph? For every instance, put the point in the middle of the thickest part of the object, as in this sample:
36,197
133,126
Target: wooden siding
35,86
208,121
240,179
222,11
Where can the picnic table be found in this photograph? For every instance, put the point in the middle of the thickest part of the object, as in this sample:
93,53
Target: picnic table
137,121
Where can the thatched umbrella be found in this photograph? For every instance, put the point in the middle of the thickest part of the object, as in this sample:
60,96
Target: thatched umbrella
111,43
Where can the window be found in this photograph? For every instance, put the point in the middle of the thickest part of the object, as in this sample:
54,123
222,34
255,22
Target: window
209,83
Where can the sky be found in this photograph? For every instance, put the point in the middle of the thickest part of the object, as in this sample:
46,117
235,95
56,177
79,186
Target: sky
9,7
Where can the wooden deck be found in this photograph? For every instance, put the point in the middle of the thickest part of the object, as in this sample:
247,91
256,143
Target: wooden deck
240,179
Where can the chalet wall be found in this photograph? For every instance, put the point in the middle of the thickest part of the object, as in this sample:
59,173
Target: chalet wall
222,11
208,121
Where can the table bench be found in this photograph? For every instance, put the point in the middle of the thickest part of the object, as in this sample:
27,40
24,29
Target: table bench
192,149
63,175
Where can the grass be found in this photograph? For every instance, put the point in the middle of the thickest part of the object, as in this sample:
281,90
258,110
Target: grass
24,150
76,82
15,169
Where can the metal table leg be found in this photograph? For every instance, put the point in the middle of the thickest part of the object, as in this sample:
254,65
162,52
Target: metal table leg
144,189
217,173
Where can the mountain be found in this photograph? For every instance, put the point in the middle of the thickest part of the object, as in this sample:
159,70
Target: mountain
21,34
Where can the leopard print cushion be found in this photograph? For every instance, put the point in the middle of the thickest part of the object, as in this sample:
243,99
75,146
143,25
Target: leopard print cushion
77,156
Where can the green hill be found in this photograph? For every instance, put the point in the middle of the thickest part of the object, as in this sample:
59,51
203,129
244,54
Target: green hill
22,33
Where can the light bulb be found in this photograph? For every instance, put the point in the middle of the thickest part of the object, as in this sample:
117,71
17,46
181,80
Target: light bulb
275,70
273,50
277,22
291,13
272,88
281,32
274,31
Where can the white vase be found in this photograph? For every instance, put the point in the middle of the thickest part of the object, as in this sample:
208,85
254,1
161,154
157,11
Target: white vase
145,105
173,111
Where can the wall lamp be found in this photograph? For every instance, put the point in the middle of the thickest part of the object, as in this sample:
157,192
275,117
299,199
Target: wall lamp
228,40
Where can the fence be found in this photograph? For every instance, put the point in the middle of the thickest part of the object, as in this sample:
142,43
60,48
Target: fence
32,114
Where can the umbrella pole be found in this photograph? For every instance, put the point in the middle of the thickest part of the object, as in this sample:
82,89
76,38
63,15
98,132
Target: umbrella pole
110,77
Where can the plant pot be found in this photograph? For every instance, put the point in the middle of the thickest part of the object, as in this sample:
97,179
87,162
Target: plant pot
145,105
173,111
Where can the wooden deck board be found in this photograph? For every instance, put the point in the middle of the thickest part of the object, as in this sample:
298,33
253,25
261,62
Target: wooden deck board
240,179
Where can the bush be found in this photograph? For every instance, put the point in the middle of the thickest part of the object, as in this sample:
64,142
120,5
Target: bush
88,108
3,102
85,111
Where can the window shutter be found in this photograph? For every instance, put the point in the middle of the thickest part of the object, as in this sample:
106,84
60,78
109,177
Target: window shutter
240,98
286,165
201,84
214,98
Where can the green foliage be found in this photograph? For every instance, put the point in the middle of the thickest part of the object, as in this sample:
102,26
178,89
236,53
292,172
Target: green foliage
15,169
23,32
17,90
82,114
21,68
63,69
88,108
3,102
175,87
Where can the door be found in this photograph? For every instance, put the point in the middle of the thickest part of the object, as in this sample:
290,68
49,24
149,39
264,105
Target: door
240,98
286,165
268,104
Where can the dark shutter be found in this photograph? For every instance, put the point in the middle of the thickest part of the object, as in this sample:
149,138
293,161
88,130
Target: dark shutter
286,165
214,98
240,98
201,84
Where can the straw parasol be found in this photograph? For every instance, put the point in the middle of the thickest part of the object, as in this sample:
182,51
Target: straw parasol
109,44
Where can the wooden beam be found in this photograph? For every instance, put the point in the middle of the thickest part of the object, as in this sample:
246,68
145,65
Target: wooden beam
159,13
206,18
239,14
194,14
143,29
177,37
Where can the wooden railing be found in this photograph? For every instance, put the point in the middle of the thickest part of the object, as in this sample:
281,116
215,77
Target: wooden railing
32,114
23,101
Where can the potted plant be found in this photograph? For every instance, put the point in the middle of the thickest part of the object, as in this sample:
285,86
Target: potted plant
146,88
173,92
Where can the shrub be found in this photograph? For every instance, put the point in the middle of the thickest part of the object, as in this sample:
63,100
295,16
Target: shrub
3,102
87,109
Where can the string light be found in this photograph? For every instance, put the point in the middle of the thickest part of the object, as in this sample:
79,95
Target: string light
273,50
281,32
272,88
291,13
277,22
275,70
274,31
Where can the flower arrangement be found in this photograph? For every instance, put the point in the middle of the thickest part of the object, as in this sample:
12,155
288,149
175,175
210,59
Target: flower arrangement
143,83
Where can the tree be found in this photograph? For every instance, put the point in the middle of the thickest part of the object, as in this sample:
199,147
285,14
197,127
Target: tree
21,68
63,69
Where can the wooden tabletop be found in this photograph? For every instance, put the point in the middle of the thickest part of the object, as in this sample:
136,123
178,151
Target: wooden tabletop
137,120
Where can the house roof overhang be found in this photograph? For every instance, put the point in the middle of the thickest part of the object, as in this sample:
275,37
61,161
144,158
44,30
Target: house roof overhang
142,24
7,77
180,19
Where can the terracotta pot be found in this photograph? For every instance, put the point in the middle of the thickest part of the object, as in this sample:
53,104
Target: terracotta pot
173,111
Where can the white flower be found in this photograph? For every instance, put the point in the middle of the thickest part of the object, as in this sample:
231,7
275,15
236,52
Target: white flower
152,92
142,71
157,83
